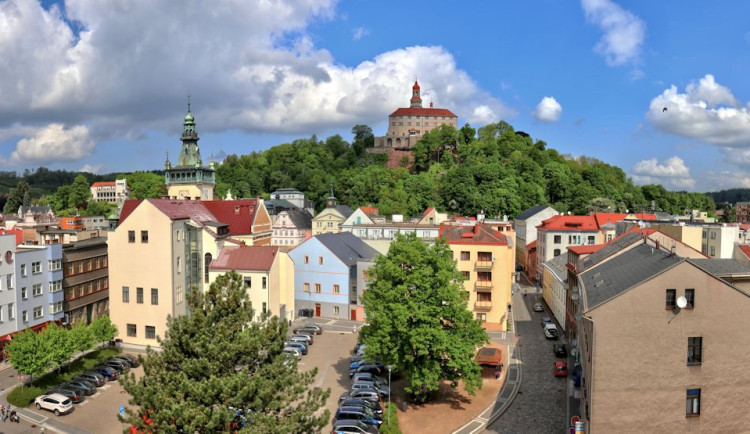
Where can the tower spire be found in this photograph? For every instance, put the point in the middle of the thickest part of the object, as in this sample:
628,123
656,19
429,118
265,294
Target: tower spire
188,102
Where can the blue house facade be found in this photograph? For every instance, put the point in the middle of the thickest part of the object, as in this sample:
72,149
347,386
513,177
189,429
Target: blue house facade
39,285
326,270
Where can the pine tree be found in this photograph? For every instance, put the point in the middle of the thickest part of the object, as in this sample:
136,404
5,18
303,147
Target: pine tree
217,357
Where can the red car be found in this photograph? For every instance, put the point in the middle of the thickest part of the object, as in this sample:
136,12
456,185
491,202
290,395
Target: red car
561,369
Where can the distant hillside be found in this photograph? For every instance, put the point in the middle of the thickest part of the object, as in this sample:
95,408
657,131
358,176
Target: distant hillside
733,195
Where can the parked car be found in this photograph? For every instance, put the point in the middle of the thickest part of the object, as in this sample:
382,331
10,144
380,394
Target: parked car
346,426
308,337
538,307
298,345
89,388
132,360
359,362
109,373
299,338
368,376
119,364
546,320
383,389
92,377
292,352
367,395
75,395
309,327
561,369
375,369
357,413
359,348
550,331
355,402
82,390
54,402
560,350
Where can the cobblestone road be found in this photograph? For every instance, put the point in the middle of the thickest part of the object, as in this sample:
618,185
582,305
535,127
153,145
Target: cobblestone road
540,405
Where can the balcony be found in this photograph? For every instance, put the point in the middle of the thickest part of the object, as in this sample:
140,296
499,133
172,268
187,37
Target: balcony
483,305
483,284
483,265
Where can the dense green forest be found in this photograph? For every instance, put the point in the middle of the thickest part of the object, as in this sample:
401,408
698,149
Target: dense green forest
733,195
493,169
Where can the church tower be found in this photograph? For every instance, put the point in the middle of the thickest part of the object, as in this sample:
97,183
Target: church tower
190,179
416,98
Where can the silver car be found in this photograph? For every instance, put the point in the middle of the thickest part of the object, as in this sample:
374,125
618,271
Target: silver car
55,403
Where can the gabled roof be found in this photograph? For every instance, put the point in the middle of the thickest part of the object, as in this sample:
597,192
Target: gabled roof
573,223
721,267
584,249
531,212
369,210
745,249
558,265
427,211
344,210
610,218
245,258
183,209
277,205
476,234
347,247
301,219
417,111
238,214
613,277
128,207
532,245
612,248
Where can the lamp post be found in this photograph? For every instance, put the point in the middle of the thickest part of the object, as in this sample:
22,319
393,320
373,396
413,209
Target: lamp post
388,417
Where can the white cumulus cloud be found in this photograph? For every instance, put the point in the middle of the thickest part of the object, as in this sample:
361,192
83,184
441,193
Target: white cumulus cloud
624,32
672,173
548,110
96,169
360,32
706,111
53,143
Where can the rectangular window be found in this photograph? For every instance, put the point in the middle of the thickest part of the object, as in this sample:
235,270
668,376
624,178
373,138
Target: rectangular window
264,282
125,294
150,332
132,330
139,295
178,294
671,299
36,267
465,256
336,289
248,282
317,287
466,275
335,310
11,311
713,251
693,403
55,264
265,307
690,297
38,312
55,286
9,281
23,270
131,236
305,287
37,289
179,265
154,296
24,293
25,316
307,259
55,307
558,239
320,260
591,239
695,351
144,236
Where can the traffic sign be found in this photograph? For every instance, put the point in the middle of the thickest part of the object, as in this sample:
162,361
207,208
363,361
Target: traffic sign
574,419
122,410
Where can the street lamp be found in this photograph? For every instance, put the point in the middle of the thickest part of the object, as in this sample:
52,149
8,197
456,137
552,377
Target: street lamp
388,417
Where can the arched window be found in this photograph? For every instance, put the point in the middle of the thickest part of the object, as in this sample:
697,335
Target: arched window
206,263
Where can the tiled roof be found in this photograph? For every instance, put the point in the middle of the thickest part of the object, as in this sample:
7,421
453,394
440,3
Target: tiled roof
745,249
427,211
103,184
344,210
245,258
558,266
128,207
531,212
611,248
721,267
585,248
531,245
416,111
603,218
238,214
574,223
300,218
369,210
347,247
479,234
183,209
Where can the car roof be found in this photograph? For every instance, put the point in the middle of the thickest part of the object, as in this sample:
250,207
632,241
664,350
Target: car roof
347,422
558,363
57,396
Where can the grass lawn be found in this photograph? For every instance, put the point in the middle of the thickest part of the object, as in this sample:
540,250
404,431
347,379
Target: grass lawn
24,395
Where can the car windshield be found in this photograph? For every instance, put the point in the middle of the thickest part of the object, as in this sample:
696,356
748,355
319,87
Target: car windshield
560,368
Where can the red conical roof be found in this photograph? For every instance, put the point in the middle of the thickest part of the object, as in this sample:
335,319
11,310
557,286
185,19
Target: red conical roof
416,85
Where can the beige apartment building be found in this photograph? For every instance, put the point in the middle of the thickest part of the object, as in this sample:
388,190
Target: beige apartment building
663,346
485,258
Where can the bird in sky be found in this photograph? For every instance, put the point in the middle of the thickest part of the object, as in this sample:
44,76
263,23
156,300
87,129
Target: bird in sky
665,109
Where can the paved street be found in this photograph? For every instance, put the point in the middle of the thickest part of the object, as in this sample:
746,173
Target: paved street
540,406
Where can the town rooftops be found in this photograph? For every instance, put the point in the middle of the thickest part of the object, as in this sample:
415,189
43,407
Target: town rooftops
476,234
613,277
536,209
103,184
238,214
573,223
722,267
585,249
347,247
610,218
245,258
369,210
558,266
418,111
613,247
301,219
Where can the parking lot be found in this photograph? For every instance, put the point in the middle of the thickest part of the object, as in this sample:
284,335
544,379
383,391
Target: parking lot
331,354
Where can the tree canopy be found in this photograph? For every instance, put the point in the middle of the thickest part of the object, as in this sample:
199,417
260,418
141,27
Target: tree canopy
419,321
218,357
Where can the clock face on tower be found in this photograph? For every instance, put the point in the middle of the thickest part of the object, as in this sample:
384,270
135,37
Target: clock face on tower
330,202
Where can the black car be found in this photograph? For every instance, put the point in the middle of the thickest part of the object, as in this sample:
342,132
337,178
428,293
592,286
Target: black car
560,350
76,395
132,360
109,373
92,377
118,364
372,369
356,402
88,388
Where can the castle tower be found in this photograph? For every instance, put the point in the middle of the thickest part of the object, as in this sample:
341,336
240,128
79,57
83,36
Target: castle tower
416,98
190,179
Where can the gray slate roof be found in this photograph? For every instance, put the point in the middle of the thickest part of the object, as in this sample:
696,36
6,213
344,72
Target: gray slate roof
721,267
275,206
610,249
558,266
623,272
344,210
347,247
300,218
531,211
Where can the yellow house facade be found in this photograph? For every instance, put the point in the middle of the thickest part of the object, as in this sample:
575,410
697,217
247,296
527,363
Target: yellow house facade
330,219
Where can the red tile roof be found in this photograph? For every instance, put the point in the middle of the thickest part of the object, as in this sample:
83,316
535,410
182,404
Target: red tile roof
477,234
745,249
103,184
744,226
603,218
585,249
245,258
369,210
575,223
427,211
238,214
417,111
17,232
531,245
127,208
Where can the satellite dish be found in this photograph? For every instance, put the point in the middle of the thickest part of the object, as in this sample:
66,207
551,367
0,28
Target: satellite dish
681,302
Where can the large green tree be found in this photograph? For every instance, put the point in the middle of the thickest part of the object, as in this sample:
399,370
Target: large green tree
218,357
419,321
16,197
145,185
29,353
102,329
60,344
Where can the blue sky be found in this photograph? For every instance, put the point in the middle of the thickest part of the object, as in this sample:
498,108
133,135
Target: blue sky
101,86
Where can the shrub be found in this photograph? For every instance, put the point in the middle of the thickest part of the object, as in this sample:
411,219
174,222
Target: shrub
24,395
390,420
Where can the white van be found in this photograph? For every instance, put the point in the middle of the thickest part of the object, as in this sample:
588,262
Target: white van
550,331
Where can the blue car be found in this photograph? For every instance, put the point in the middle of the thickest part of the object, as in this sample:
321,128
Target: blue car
109,373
